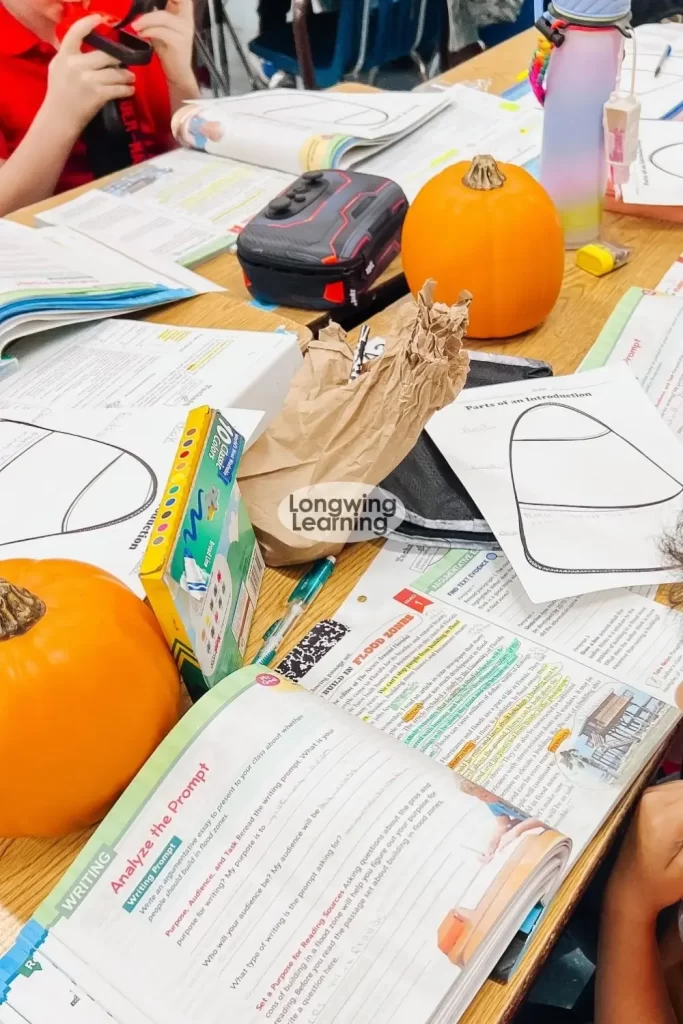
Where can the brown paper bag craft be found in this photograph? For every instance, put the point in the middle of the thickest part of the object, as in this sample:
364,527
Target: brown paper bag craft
333,429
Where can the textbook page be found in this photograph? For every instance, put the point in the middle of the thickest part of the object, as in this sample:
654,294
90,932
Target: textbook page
614,631
508,710
184,206
277,860
137,364
672,282
578,477
295,131
85,483
473,122
111,264
404,563
58,261
56,274
645,332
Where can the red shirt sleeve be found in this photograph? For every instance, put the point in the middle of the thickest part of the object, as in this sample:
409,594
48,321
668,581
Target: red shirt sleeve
4,149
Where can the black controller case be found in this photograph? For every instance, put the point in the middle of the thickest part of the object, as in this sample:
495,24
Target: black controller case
322,242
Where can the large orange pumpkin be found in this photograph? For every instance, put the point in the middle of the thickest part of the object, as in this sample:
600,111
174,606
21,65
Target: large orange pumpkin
491,230
88,689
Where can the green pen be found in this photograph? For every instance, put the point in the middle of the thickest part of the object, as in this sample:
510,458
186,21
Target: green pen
306,590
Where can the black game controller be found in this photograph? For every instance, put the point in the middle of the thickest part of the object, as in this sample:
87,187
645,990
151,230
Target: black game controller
115,138
322,242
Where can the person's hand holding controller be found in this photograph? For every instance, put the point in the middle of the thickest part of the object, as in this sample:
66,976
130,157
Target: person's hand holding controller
80,84
171,32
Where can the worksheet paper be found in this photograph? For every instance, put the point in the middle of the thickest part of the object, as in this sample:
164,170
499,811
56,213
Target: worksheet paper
135,364
656,177
472,123
660,94
184,206
645,333
84,484
578,477
513,712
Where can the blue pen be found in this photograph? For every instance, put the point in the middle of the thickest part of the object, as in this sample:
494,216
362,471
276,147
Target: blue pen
306,590
662,60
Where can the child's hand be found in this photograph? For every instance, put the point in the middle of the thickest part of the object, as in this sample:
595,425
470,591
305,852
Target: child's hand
171,33
79,84
649,872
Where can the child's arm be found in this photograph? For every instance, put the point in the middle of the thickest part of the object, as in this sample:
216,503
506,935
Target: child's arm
630,982
79,85
648,877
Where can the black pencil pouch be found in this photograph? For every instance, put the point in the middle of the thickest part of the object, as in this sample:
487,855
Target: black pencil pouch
439,510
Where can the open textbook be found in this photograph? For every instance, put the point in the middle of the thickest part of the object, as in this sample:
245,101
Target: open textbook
295,131
183,206
276,859
133,364
556,708
54,276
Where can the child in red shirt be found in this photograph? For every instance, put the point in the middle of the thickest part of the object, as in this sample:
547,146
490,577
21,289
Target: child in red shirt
49,92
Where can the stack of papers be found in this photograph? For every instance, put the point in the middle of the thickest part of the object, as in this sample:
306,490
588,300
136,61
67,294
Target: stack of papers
54,277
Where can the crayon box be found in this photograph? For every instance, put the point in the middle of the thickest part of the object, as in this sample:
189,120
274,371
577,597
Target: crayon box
202,568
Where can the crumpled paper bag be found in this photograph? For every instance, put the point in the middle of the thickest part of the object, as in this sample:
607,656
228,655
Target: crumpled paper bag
333,429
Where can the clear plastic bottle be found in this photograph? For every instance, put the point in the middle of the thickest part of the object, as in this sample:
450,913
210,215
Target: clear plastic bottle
581,77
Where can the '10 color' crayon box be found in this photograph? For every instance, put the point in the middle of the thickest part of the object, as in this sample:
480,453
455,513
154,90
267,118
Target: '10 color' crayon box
202,568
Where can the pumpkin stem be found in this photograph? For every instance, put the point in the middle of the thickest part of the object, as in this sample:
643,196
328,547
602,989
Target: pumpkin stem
484,175
19,610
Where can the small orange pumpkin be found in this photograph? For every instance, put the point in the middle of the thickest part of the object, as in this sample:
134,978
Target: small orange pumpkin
491,230
88,689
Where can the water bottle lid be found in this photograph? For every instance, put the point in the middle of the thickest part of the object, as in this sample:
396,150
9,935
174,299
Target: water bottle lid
592,12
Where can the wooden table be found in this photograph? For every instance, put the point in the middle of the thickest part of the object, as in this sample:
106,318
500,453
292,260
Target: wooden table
30,868
499,73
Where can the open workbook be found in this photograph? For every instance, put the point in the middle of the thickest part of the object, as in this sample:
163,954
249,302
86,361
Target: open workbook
54,276
295,131
281,858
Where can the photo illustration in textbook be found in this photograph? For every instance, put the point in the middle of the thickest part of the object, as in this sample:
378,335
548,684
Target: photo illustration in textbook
542,704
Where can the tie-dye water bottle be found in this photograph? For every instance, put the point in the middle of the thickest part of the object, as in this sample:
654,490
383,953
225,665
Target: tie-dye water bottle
575,72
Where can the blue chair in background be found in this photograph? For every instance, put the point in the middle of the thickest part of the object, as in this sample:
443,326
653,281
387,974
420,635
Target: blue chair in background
358,37
494,34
